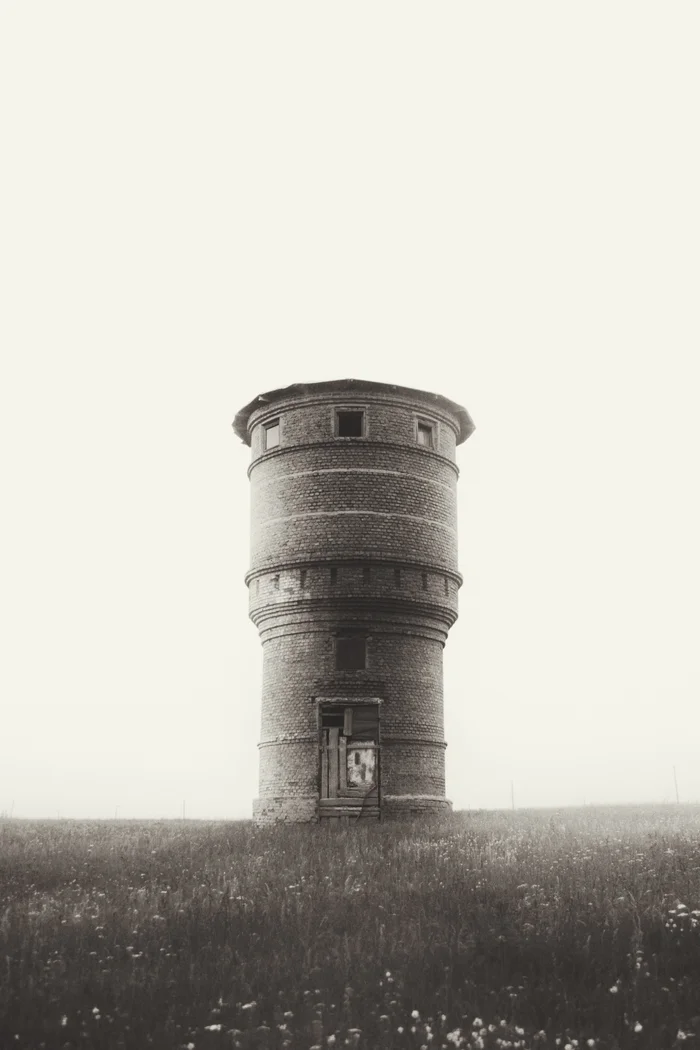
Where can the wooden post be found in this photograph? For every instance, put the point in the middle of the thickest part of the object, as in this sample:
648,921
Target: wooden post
333,763
343,765
324,764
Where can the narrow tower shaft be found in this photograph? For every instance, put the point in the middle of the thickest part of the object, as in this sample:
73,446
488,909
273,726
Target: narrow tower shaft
353,588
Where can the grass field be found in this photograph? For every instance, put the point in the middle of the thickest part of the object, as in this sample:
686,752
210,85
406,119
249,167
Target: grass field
530,929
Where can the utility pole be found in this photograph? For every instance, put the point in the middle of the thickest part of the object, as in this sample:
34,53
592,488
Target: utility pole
512,796
675,781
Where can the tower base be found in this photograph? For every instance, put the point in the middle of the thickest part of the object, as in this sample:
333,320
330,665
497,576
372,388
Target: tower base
304,809
285,809
413,807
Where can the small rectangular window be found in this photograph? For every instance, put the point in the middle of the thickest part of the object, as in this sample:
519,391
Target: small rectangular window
425,434
350,424
365,574
425,580
447,586
397,577
351,653
272,434
334,576
302,579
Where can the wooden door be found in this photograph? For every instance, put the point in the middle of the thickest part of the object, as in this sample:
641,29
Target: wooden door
349,769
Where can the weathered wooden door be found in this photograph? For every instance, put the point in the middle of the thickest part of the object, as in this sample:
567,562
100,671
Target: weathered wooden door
349,765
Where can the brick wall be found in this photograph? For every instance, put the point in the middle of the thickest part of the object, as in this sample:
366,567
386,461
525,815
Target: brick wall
355,532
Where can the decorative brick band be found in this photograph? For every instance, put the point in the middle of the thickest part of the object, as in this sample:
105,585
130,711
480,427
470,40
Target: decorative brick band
378,446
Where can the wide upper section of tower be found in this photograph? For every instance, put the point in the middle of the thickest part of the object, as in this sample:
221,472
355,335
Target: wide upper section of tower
352,389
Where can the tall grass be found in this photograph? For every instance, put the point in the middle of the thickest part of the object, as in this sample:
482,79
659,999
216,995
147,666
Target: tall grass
574,925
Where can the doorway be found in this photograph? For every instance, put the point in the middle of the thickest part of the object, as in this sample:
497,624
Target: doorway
350,766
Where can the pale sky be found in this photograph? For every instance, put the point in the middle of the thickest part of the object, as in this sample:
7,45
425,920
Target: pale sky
200,202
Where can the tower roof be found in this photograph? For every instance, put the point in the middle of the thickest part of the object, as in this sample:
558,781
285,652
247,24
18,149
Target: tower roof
351,386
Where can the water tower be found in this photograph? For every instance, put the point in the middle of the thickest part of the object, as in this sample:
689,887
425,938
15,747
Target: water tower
353,587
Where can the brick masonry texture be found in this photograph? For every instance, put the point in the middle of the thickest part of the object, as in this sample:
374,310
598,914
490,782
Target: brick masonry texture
356,533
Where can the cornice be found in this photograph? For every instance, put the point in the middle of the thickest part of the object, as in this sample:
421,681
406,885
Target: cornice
375,611
355,561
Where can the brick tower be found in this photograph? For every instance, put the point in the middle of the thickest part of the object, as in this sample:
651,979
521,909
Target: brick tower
353,588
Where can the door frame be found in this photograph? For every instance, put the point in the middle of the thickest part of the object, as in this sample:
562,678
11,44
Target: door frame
351,701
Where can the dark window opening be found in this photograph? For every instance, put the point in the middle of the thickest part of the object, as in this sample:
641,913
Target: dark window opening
425,581
332,718
276,582
272,434
365,574
334,575
447,586
351,424
425,435
397,577
302,579
351,653
359,723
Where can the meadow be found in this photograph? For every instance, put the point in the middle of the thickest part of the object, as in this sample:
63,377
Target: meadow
571,928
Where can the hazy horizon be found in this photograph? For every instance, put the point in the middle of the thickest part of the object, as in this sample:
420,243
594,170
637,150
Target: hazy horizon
495,203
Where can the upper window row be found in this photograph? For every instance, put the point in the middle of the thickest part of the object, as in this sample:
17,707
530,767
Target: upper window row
350,423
